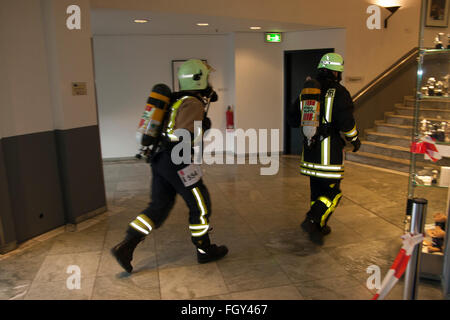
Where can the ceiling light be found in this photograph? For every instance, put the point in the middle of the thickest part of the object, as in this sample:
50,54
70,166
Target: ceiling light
140,20
255,28
203,24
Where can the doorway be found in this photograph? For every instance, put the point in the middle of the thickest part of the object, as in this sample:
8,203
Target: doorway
298,65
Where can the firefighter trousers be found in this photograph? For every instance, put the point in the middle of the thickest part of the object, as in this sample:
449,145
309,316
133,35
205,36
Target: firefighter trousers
166,184
325,197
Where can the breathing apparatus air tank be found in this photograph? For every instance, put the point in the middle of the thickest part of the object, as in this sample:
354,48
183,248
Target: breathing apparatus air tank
152,120
310,109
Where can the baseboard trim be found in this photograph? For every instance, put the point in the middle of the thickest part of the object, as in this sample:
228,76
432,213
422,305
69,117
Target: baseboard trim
8,247
73,227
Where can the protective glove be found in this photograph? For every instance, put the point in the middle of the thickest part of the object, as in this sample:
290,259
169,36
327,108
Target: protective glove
206,124
356,143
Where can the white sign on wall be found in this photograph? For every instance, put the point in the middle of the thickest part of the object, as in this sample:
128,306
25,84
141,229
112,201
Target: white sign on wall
74,20
374,20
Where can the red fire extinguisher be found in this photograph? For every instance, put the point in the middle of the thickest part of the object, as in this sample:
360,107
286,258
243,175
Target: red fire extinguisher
230,118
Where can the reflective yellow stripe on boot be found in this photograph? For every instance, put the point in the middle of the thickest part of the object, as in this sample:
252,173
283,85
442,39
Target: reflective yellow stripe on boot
331,205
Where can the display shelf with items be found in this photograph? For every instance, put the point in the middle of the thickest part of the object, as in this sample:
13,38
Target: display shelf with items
430,161
429,176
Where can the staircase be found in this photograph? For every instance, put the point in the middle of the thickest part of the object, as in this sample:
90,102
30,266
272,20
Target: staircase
387,145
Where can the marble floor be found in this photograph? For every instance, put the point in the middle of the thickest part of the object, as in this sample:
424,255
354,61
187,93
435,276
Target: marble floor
257,217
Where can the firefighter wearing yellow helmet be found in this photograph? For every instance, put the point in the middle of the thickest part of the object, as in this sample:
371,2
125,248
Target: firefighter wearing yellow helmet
324,111
169,179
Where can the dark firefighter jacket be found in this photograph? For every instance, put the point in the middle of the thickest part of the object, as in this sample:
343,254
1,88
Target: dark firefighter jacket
324,159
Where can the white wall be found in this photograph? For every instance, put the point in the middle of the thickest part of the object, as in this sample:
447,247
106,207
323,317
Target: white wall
25,105
259,75
259,83
304,40
69,59
249,75
127,67
39,58
368,52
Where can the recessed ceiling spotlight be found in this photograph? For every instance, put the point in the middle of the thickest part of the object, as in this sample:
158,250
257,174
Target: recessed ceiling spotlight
140,20
255,28
203,24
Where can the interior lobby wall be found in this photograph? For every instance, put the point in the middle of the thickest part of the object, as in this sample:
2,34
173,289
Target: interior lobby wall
368,52
127,67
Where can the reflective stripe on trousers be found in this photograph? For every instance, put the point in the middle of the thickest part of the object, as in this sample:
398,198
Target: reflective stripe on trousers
197,230
143,224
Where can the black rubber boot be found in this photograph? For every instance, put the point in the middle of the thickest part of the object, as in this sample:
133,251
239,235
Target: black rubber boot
326,230
123,252
207,252
314,230
211,253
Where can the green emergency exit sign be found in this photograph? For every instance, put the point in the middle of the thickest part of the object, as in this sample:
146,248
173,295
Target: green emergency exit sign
273,37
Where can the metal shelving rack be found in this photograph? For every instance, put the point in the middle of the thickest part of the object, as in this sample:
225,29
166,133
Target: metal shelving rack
433,266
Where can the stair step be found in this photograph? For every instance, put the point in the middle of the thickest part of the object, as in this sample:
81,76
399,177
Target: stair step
386,161
406,120
393,118
397,152
401,130
387,145
431,103
388,138
378,160
387,150
424,112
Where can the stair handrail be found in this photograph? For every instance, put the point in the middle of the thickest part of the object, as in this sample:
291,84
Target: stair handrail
389,71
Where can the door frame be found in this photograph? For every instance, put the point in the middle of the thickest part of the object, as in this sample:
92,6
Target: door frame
286,127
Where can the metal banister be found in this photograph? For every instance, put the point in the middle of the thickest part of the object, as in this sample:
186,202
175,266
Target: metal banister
412,54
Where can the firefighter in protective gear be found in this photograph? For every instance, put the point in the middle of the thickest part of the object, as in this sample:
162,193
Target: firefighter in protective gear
169,179
324,111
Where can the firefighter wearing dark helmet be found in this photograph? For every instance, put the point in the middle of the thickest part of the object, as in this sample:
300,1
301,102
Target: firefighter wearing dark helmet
170,179
324,110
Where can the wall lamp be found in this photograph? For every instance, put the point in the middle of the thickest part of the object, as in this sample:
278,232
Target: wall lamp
392,10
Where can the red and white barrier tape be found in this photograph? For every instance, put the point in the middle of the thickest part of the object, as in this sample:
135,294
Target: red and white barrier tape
399,266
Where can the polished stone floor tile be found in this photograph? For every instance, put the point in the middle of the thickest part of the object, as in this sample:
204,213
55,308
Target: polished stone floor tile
340,287
361,195
175,232
176,254
217,297
426,291
341,234
289,240
24,265
262,224
257,217
356,258
275,293
192,282
56,267
13,289
250,274
243,247
58,290
133,186
315,266
353,293
87,240
141,286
